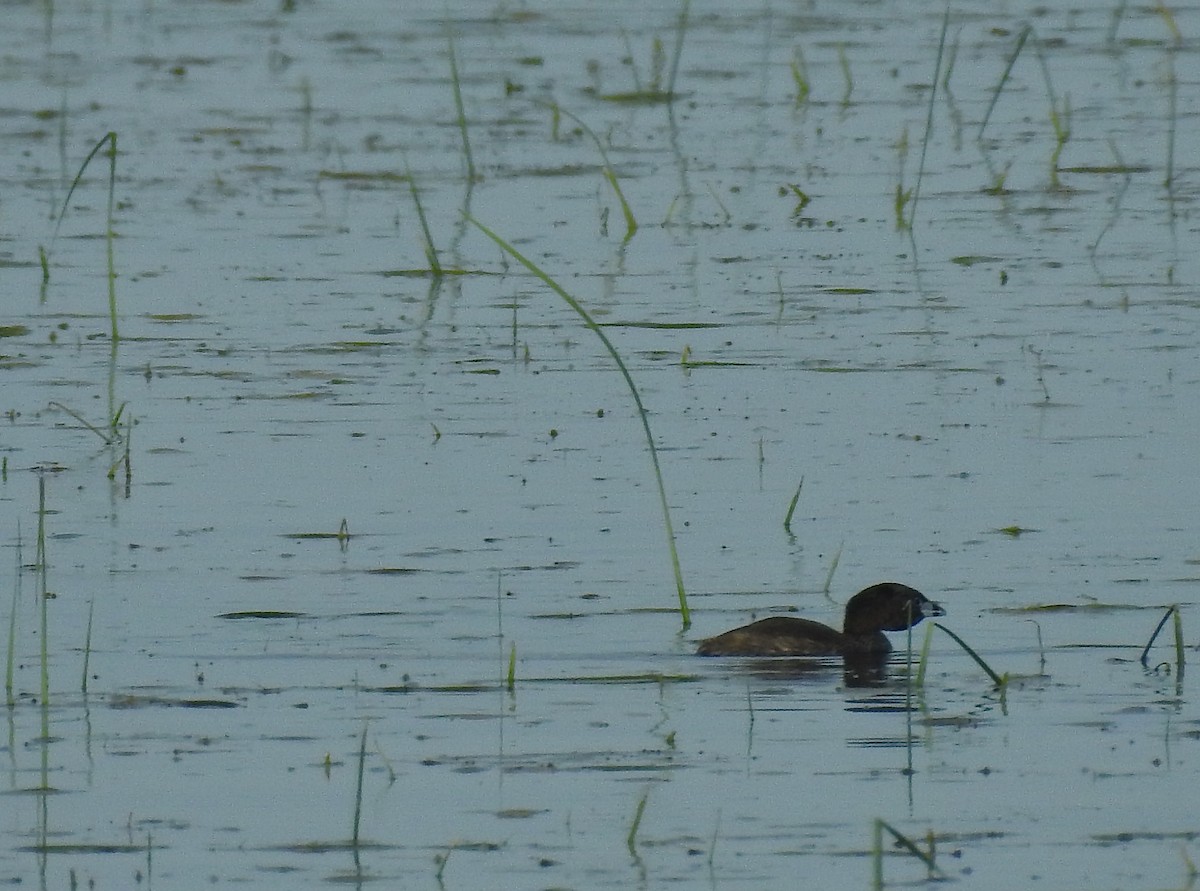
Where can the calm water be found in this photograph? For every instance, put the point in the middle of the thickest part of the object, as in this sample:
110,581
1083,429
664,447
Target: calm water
1024,361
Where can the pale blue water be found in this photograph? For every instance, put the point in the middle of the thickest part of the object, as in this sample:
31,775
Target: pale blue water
1032,363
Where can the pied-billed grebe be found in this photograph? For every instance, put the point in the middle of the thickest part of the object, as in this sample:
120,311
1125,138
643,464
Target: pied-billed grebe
887,606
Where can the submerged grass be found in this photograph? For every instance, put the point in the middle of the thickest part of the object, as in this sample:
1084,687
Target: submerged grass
684,612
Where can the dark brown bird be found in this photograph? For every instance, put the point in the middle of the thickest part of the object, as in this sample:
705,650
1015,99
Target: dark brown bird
888,606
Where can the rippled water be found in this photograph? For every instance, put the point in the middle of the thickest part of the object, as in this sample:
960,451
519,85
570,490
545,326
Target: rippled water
998,409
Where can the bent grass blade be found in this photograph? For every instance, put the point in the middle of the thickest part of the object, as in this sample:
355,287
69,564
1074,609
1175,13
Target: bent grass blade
684,612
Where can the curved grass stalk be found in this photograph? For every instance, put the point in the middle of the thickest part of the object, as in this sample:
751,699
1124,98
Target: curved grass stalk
44,254
684,612
631,225
1000,681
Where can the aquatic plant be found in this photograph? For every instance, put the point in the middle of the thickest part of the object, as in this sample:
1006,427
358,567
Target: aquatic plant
358,791
631,225
877,852
87,647
631,838
655,91
1059,114
44,253
800,76
1000,681
1172,612
844,63
10,658
643,414
431,254
833,565
937,69
460,112
44,600
1172,89
1008,67
787,520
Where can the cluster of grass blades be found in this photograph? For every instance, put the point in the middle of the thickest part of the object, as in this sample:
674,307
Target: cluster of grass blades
1059,113
643,415
109,139
657,89
118,432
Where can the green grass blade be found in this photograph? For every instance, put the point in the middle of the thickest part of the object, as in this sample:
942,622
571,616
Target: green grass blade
907,844
924,660
87,646
460,111
937,70
110,139
610,175
996,679
833,568
362,759
787,520
1172,611
680,32
1178,642
631,838
431,254
684,612
1012,60
10,659
108,236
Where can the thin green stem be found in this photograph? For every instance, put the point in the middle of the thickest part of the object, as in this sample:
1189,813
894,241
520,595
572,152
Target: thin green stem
937,70
643,414
631,225
999,681
358,792
460,111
